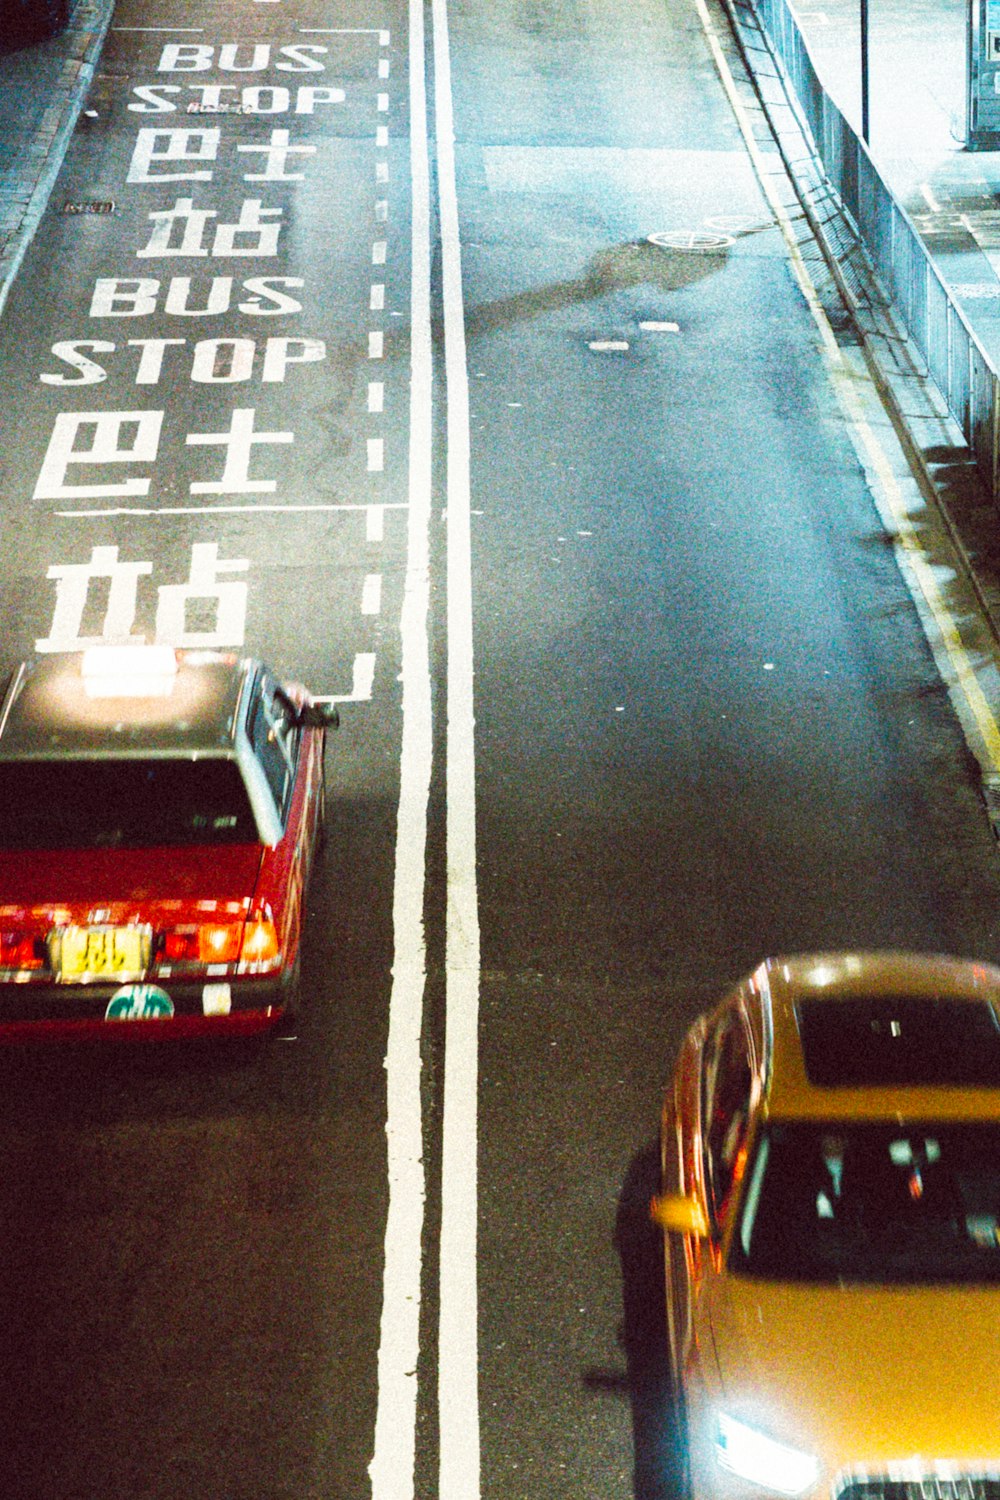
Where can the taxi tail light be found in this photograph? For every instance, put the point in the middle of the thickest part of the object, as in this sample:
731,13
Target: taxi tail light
204,943
22,950
260,941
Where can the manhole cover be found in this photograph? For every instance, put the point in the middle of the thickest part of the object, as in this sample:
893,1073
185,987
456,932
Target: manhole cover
196,108
88,208
700,240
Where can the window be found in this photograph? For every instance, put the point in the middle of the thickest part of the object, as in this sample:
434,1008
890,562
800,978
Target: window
726,1088
900,1040
110,804
275,740
873,1202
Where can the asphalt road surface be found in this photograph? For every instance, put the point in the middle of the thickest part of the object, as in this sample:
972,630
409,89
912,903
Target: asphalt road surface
284,370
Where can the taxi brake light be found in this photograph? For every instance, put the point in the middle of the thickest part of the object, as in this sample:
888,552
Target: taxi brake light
218,943
206,943
19,950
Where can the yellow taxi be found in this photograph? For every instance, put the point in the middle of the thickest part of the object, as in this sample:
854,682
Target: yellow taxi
831,1207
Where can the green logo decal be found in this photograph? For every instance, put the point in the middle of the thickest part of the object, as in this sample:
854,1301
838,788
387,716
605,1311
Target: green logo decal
139,1002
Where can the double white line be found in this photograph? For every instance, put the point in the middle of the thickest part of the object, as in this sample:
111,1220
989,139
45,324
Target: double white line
392,1466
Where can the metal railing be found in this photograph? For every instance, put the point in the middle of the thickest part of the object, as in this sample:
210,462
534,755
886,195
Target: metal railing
922,301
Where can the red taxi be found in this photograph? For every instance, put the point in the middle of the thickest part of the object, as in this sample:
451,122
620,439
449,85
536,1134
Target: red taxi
159,812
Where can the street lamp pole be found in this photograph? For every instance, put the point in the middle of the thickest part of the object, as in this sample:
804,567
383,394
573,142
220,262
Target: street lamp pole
864,71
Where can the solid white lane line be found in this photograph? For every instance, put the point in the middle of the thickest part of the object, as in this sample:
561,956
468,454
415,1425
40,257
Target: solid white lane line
391,1468
458,1362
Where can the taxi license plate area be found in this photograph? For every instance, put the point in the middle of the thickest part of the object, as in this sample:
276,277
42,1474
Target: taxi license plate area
102,951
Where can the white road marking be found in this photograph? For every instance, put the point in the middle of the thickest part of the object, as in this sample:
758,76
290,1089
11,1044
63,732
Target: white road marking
371,594
376,455
375,521
392,1464
376,395
608,346
458,1347
652,327
265,507
362,678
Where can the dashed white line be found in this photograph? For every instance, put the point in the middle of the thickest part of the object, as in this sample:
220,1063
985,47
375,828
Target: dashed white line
375,522
362,680
371,594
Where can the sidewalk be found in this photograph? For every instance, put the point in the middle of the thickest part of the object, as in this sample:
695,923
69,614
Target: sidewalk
917,105
42,89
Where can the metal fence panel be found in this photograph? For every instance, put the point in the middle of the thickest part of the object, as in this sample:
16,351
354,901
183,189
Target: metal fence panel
933,319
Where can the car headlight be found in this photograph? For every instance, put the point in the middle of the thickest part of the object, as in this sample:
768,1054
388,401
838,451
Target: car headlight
755,1456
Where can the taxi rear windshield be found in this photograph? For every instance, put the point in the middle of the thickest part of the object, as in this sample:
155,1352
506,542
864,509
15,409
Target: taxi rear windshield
123,804
868,1202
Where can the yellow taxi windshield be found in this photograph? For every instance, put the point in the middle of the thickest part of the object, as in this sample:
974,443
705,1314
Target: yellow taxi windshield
872,1202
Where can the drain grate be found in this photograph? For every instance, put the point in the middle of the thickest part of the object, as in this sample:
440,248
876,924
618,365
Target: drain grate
106,207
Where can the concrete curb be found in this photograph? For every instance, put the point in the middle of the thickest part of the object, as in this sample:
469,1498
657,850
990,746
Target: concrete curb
25,194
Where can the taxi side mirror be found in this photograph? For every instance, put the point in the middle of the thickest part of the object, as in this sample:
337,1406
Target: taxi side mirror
307,713
679,1215
317,716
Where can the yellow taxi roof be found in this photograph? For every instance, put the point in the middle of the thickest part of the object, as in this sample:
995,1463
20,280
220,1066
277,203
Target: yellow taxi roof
849,1071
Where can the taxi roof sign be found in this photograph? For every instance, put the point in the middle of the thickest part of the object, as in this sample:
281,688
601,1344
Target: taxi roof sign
129,671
